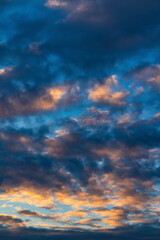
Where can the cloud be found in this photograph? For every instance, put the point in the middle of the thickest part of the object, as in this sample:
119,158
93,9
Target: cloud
56,3
59,218
119,172
30,213
148,74
79,119
4,71
29,103
103,94
11,221
141,231
29,195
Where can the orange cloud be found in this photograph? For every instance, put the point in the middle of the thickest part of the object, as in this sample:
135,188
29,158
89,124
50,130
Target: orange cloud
56,3
28,102
77,213
6,70
29,195
103,93
50,99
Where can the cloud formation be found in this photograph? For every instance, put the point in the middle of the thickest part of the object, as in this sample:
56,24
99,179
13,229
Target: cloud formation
79,119
104,95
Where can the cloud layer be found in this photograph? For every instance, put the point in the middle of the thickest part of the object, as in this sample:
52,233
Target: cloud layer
79,119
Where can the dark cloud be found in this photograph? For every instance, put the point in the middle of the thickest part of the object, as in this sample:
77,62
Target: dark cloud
137,234
10,221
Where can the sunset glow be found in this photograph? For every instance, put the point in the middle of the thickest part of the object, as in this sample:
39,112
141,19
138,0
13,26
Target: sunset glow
80,119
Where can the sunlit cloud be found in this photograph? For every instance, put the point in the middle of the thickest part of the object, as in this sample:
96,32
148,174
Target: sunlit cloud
31,196
105,95
4,71
27,103
56,3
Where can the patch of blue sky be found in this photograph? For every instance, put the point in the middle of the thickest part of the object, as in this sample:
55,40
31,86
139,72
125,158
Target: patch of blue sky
141,57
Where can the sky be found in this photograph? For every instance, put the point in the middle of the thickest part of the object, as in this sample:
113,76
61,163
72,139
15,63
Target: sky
79,119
